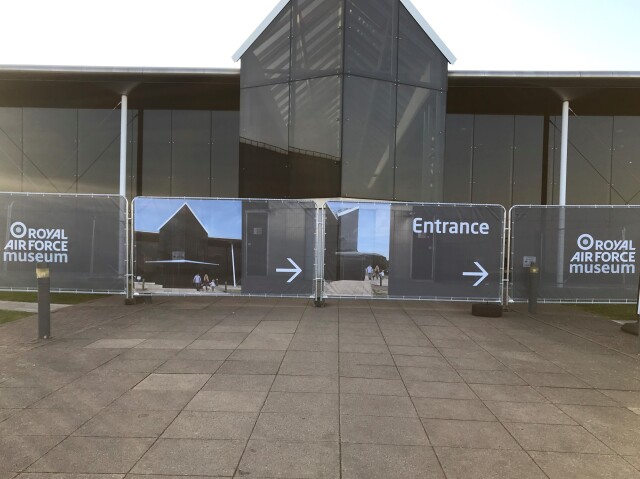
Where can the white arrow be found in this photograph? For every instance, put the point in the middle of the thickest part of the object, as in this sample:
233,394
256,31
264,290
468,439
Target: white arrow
482,273
296,269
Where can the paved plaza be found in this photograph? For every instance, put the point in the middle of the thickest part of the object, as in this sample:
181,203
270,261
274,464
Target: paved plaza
257,388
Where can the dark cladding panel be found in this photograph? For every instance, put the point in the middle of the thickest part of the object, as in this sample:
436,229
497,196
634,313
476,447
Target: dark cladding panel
191,153
81,237
369,138
625,182
316,43
420,62
372,38
50,149
225,154
492,159
527,160
598,246
264,119
267,60
11,150
156,163
98,151
315,117
589,161
458,159
420,144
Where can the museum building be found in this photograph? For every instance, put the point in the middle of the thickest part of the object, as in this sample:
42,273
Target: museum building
334,98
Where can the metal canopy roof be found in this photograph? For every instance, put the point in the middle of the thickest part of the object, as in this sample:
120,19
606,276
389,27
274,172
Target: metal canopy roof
430,32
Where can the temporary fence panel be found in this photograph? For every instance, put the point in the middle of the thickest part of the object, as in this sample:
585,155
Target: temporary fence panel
445,252
198,246
82,237
584,253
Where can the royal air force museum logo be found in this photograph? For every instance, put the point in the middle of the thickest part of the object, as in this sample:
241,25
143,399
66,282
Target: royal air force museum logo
27,244
596,256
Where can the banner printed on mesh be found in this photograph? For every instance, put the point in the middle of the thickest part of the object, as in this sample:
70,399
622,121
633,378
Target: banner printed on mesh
81,237
598,260
224,247
414,251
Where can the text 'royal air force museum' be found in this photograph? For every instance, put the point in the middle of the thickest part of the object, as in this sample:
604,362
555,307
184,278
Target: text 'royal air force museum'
334,99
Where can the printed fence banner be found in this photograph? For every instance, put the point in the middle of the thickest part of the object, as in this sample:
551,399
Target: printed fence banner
82,238
224,247
414,251
584,253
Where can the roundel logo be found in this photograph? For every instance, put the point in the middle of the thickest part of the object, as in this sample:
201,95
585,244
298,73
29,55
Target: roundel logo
18,230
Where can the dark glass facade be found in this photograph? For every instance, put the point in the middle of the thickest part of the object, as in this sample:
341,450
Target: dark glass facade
502,159
66,150
354,116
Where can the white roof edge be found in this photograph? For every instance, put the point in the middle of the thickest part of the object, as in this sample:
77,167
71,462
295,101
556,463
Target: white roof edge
261,28
415,13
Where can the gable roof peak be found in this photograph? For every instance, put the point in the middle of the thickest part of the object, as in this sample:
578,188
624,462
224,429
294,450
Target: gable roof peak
411,8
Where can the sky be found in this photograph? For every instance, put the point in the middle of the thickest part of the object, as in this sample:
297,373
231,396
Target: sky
487,35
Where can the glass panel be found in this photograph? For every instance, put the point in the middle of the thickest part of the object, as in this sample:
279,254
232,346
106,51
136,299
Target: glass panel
492,159
316,47
420,144
420,62
372,36
626,160
50,150
589,161
527,160
191,153
458,159
369,138
11,149
224,160
264,118
268,59
99,151
315,117
156,164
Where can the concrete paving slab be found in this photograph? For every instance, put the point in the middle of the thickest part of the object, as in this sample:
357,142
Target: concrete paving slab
458,409
194,457
498,392
185,366
211,425
44,422
228,401
18,452
304,404
296,428
173,382
400,431
556,438
460,463
239,382
440,390
96,455
369,405
582,397
378,461
153,400
534,413
382,387
127,423
305,384
585,466
468,434
271,459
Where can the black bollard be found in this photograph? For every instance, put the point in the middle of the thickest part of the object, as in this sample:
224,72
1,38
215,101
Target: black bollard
225,285
534,282
44,301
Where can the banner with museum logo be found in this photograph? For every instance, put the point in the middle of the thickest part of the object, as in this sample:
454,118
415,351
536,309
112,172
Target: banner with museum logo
83,239
584,253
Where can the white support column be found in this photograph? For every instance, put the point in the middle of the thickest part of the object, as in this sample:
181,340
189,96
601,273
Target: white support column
123,146
233,265
562,198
